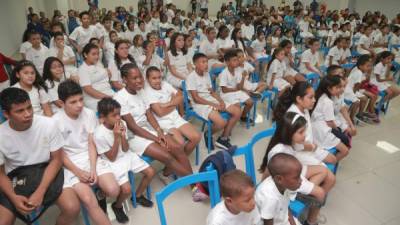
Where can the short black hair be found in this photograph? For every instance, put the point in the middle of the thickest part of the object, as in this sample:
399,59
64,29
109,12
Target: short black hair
67,89
151,69
126,68
230,54
11,96
88,47
83,13
107,105
57,34
198,56
332,68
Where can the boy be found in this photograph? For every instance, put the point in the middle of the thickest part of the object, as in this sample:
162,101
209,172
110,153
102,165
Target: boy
112,146
82,34
82,166
238,206
38,53
30,140
208,104
232,84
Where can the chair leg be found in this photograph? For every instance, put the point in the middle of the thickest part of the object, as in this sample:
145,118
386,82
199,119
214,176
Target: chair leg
133,192
148,190
85,215
197,154
254,112
209,130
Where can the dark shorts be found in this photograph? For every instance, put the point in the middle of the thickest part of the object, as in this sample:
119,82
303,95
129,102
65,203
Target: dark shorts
6,203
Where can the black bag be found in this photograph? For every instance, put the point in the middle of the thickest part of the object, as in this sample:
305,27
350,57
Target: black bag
26,179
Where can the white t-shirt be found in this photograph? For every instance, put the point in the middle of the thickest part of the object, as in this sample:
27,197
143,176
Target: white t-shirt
208,48
366,41
309,133
52,45
272,204
336,55
68,53
278,68
227,43
109,49
308,57
129,35
136,52
229,80
356,76
220,215
258,46
104,140
248,31
201,84
333,35
82,35
76,132
37,57
134,105
37,98
304,25
180,62
324,110
31,146
25,46
280,148
115,72
155,60
53,94
163,95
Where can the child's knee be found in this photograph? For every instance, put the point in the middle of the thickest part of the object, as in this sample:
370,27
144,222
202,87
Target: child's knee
249,102
318,193
126,189
71,208
149,172
194,137
219,123
112,190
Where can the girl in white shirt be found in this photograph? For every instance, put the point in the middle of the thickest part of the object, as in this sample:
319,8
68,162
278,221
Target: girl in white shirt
275,38
238,41
109,46
65,54
130,32
53,74
224,42
163,100
304,26
209,48
291,75
179,66
382,77
190,47
276,72
26,77
93,77
258,45
117,26
150,57
309,62
121,57
136,50
335,54
364,45
323,118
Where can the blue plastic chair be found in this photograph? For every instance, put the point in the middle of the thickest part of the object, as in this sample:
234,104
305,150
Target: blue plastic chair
133,190
391,47
313,79
213,183
269,97
348,66
396,66
2,118
214,72
382,104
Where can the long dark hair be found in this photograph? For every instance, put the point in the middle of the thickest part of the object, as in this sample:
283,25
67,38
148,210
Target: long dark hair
285,129
276,51
221,29
324,86
118,61
172,46
47,75
288,97
38,83
233,37
382,55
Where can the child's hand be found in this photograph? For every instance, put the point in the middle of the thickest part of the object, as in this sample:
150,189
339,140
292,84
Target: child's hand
309,146
118,128
20,202
93,177
83,176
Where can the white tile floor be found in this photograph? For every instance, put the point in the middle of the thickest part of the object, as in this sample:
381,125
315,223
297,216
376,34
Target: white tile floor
368,181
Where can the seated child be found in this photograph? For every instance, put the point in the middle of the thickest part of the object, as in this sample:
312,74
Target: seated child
208,104
238,206
232,84
276,72
65,54
245,69
38,53
53,75
309,62
382,77
112,146
291,75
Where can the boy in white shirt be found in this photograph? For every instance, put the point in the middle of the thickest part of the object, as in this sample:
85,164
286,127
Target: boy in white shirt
38,53
82,167
364,45
82,34
238,206
245,69
248,29
208,104
112,145
30,142
332,35
65,54
232,82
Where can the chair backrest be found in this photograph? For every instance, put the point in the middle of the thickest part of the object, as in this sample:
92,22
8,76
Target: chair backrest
2,118
213,185
185,93
393,46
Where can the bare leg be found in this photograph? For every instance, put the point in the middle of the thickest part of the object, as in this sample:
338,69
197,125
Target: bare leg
7,217
192,135
69,206
148,175
234,110
125,192
108,184
343,151
218,122
247,107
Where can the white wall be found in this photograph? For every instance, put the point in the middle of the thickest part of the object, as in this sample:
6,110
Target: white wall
388,7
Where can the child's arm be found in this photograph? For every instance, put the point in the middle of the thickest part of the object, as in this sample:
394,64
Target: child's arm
153,122
311,68
227,89
93,92
137,130
291,219
47,109
162,109
199,100
331,124
174,72
92,159
345,113
240,85
75,45
81,174
271,83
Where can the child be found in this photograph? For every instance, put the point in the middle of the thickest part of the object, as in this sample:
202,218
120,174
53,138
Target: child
141,29
238,42
82,167
93,77
245,69
117,26
82,34
309,62
96,42
38,53
53,74
150,57
164,100
136,49
179,66
106,29
395,40
291,75
274,194
327,133
258,45
57,27
335,54
109,46
112,146
381,39
191,49
238,206
208,103
364,45
359,97
130,32
168,36
224,42
316,181
275,38
300,99
332,35
209,47
26,77
276,71
121,58
304,26
232,82
323,33
382,77
65,54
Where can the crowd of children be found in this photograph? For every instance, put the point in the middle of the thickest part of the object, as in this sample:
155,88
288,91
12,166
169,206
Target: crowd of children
91,101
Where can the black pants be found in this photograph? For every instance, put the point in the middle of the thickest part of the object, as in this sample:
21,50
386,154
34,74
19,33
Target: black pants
342,136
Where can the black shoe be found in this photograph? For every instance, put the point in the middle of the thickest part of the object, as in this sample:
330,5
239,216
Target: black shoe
206,140
144,202
120,214
255,94
101,200
244,120
224,144
362,119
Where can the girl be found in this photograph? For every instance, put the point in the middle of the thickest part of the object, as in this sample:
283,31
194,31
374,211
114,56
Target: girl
53,75
168,35
136,50
275,38
119,29
224,43
96,42
179,66
335,54
327,134
130,32
309,62
364,45
26,77
382,77
291,75
163,100
332,35
93,77
276,71
150,58
65,54
121,57
110,46
300,99
209,48
258,45
191,49
238,41
304,26
291,131
142,29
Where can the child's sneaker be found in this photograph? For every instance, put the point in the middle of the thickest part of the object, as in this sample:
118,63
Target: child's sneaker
166,179
205,135
223,143
244,120
101,200
120,214
144,202
362,119
255,94
198,195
